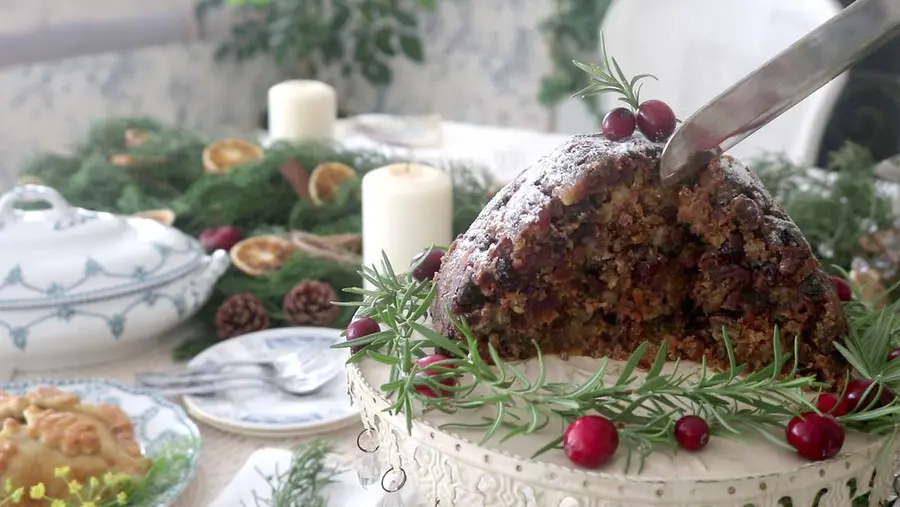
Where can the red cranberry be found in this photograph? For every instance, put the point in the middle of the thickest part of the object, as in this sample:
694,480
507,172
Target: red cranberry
656,120
359,328
591,440
423,364
842,287
220,238
856,388
790,425
427,264
692,432
894,354
816,437
828,403
618,124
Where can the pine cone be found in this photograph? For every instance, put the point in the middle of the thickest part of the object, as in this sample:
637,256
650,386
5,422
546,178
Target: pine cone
309,304
241,314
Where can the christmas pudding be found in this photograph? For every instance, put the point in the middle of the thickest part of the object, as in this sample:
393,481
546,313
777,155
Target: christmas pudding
599,339
587,253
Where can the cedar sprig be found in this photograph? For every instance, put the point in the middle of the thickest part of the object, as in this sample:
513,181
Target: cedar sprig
609,78
737,401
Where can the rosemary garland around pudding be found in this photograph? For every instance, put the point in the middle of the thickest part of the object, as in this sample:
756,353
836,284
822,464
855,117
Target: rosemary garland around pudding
704,306
669,408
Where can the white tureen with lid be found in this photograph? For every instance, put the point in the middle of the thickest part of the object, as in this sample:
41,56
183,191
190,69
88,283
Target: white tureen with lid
80,287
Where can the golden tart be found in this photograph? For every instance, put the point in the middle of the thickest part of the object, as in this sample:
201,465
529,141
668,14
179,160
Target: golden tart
48,429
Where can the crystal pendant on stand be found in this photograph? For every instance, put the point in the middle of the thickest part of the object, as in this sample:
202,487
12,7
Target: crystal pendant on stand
368,468
392,482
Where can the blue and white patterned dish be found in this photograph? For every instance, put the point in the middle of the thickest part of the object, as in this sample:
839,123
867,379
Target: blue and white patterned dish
78,287
264,409
158,422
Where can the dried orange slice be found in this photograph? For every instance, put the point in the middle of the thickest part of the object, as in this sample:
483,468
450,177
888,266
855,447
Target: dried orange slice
29,180
135,137
125,160
163,216
327,178
221,156
122,160
261,254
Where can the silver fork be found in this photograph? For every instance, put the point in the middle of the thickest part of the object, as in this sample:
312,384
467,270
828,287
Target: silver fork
291,373
204,385
302,357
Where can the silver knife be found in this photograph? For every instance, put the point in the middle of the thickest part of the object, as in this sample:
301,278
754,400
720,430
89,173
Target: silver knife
778,85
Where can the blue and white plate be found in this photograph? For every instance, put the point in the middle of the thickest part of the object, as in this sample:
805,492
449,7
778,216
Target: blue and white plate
264,410
161,427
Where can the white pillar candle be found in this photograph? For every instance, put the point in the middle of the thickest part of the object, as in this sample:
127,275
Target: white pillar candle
302,110
406,208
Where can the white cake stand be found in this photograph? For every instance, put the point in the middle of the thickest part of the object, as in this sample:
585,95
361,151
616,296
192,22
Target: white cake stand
451,469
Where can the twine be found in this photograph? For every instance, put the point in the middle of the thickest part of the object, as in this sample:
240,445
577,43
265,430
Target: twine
339,248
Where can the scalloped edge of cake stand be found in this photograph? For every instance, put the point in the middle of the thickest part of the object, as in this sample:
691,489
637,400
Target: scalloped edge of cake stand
451,470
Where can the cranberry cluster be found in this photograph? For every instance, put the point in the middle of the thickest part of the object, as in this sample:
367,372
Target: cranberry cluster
818,436
654,118
591,440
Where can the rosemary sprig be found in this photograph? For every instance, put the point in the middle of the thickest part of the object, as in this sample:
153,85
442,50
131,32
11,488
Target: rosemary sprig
610,78
736,401
302,483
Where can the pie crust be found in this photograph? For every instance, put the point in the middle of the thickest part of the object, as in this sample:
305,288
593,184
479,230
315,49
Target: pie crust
49,428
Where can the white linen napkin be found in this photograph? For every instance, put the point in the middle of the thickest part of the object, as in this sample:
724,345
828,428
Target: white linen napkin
345,492
6,372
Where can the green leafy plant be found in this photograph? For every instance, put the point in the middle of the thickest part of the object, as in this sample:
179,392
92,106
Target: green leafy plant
305,36
572,32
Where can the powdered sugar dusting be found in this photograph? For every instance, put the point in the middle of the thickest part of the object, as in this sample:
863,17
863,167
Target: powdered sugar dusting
741,177
521,202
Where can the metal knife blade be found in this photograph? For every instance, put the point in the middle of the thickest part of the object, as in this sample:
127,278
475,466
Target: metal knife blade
778,85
